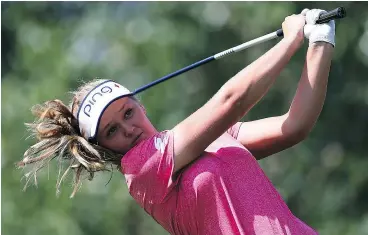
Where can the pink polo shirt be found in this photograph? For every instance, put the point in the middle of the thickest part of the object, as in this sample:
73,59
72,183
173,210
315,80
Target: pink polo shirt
224,191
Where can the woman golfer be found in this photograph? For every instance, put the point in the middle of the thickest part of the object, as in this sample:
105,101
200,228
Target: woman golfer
202,176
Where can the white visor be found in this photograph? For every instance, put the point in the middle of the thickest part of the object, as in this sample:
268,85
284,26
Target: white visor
95,103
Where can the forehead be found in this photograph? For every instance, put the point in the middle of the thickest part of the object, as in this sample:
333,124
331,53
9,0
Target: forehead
113,108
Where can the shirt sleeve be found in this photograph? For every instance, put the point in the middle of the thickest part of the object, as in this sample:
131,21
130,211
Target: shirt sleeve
234,130
148,169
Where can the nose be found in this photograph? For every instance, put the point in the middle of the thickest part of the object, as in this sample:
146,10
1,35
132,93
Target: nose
128,129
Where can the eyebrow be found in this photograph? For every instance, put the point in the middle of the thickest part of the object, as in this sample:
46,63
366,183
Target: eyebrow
109,124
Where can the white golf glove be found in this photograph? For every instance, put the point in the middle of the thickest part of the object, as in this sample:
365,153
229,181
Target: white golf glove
318,32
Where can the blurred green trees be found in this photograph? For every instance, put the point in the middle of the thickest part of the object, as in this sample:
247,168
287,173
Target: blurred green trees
48,48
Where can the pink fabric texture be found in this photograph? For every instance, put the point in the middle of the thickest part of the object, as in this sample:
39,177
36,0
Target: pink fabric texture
224,191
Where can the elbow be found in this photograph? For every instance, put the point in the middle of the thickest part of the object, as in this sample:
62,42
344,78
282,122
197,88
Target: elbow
231,106
300,134
235,100
294,137
296,130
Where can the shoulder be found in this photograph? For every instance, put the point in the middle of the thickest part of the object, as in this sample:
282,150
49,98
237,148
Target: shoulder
149,167
155,146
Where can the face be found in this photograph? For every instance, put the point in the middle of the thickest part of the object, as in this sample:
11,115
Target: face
123,125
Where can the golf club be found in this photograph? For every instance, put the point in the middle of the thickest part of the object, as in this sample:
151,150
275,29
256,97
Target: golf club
337,13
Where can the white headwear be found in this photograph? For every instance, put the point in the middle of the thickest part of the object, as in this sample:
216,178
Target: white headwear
95,103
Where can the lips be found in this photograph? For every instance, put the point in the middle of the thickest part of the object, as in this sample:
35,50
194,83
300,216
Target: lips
136,140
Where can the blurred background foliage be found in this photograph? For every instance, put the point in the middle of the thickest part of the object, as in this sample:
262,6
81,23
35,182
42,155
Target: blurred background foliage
48,48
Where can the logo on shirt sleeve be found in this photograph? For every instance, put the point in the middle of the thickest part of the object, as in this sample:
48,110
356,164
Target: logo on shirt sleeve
160,143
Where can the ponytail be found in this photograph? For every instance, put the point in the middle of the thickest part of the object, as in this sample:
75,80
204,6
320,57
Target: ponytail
57,132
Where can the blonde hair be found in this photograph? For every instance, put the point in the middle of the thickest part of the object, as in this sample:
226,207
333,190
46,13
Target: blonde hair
56,129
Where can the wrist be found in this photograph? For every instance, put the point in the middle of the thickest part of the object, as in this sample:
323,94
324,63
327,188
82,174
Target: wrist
320,45
322,40
294,42
318,50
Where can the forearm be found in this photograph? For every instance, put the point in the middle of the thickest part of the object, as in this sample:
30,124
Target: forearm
251,83
311,92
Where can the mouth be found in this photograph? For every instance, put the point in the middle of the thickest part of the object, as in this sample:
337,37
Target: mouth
136,140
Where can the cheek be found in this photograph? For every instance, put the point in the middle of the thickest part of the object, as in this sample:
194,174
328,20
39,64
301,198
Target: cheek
145,122
117,144
140,117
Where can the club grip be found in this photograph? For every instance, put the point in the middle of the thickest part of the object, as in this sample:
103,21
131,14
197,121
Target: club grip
337,13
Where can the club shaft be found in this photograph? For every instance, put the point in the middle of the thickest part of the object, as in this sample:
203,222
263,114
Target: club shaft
246,45
174,74
209,59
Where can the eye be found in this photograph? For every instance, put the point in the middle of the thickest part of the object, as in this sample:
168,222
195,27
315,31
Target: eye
111,131
128,114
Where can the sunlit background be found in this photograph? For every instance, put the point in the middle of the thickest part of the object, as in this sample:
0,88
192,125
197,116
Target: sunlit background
48,48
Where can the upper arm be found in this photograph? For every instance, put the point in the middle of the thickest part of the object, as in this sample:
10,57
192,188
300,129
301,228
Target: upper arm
193,135
267,136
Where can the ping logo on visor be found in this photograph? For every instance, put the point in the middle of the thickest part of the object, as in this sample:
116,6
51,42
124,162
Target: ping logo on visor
95,103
